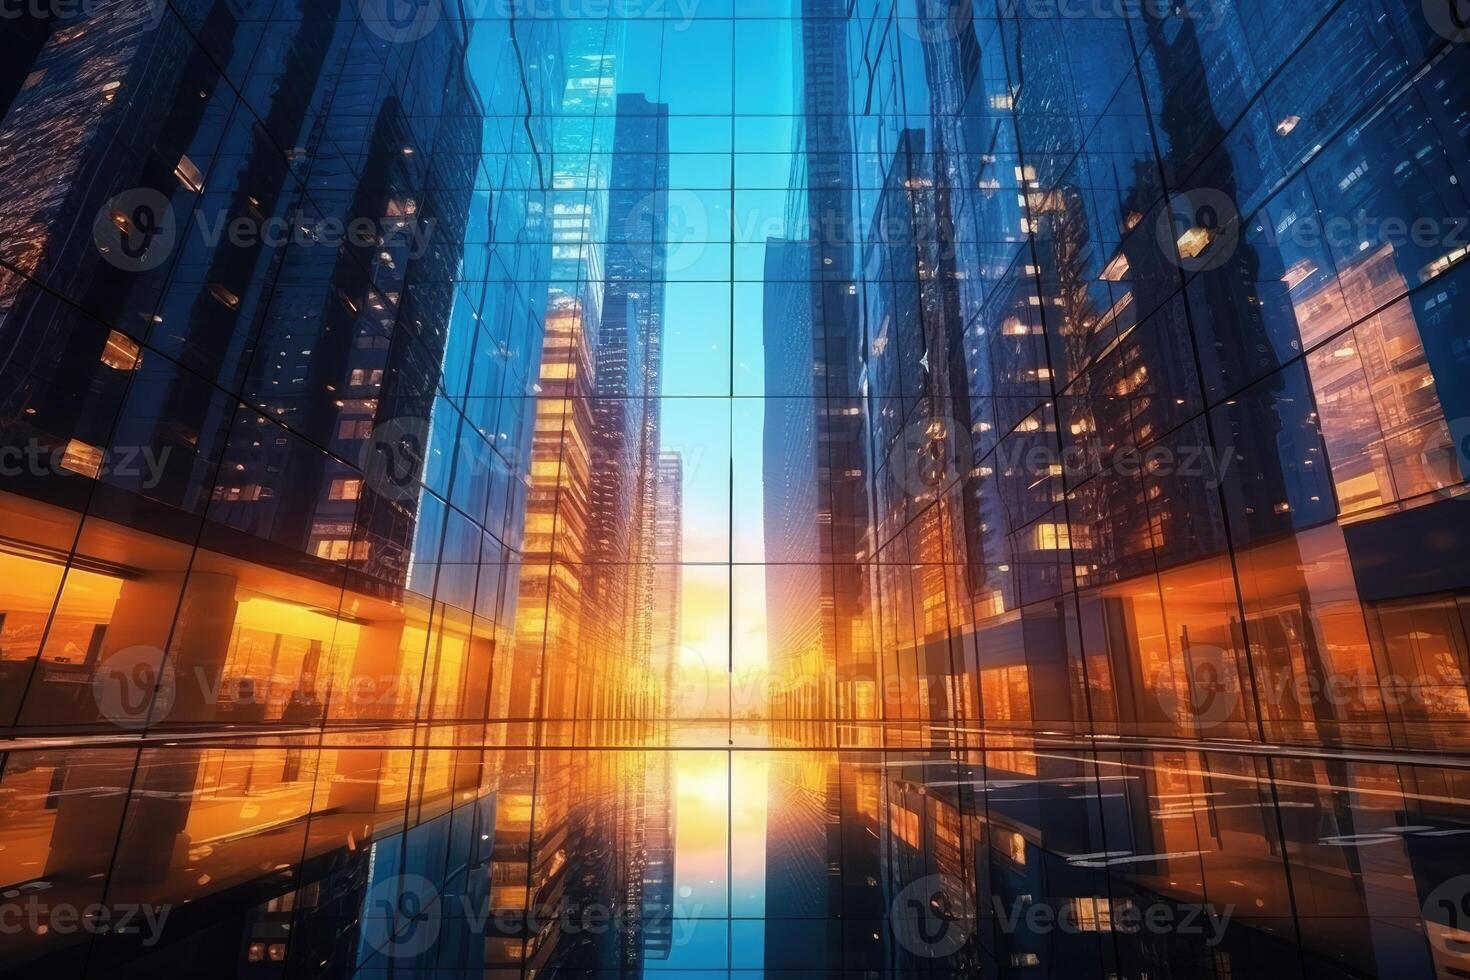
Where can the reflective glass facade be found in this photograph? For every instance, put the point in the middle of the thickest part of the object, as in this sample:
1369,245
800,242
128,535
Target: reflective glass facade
530,488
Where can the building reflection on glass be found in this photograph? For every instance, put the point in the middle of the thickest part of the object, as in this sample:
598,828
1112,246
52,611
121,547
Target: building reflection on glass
815,488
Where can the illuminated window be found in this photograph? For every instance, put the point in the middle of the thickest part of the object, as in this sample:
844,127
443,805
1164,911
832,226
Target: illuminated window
121,353
347,489
906,826
1013,846
79,457
342,549
1060,537
188,174
224,296
1093,914
1381,414
1117,269
1005,693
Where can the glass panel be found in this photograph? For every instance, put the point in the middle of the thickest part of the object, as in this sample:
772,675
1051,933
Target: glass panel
809,487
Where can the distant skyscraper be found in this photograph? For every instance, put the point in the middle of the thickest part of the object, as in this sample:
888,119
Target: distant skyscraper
832,498
619,588
659,869
550,650
799,621
668,574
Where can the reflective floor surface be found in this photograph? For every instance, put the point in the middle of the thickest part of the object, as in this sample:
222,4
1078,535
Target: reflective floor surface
734,850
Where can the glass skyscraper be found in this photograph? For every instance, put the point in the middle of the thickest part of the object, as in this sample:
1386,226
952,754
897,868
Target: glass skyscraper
822,488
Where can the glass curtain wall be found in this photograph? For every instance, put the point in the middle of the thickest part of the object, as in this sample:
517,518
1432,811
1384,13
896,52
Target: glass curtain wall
528,488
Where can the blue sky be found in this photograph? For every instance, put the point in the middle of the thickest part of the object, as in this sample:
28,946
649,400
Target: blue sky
713,324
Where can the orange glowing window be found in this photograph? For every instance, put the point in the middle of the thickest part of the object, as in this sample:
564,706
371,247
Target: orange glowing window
225,296
79,457
1093,914
906,826
1006,693
121,353
1053,537
188,174
345,489
1013,846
